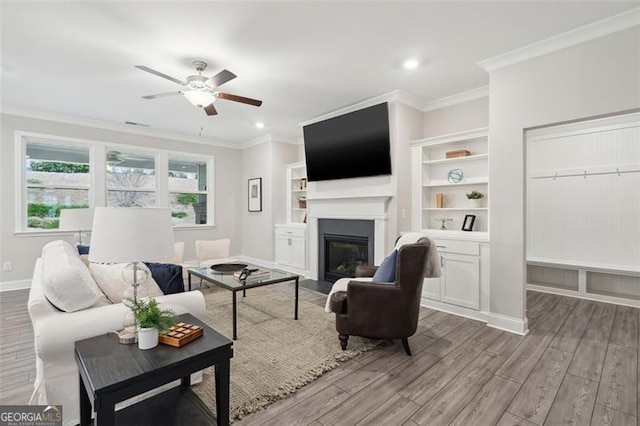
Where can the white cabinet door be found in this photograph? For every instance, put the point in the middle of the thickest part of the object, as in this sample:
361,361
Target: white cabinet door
461,280
298,255
282,249
291,251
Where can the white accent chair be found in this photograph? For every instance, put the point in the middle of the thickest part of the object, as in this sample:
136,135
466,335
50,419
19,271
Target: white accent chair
178,259
210,252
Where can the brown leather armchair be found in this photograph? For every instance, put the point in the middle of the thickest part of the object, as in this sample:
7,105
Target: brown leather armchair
383,310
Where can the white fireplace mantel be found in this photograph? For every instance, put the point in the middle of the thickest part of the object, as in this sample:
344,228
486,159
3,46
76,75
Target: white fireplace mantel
370,207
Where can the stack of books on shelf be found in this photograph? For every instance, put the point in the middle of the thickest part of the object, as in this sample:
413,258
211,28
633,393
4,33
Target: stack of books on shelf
255,275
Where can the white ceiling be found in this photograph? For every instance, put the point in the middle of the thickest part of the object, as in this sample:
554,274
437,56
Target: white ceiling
302,59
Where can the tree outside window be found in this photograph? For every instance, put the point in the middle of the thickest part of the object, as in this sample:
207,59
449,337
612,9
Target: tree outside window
130,180
56,177
188,191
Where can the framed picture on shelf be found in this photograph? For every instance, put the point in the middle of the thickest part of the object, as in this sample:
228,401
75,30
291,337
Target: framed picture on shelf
467,225
255,195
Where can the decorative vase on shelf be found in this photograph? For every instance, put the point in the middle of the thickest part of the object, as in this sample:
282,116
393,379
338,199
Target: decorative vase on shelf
147,338
302,202
475,202
475,199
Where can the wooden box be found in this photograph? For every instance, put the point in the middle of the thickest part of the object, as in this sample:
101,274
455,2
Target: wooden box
457,153
180,334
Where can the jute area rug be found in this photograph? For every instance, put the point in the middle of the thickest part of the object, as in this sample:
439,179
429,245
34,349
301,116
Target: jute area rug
274,355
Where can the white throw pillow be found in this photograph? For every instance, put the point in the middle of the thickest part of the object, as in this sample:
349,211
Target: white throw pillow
66,280
111,282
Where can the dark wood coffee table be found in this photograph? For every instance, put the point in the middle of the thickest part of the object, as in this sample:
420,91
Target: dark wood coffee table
111,373
228,282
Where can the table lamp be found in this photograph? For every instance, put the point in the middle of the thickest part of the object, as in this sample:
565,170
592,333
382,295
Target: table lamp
131,235
78,220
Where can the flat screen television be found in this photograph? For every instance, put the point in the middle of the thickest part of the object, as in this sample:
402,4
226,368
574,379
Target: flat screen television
351,145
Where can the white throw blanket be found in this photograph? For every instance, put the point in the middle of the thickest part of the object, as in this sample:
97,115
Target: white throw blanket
431,267
341,285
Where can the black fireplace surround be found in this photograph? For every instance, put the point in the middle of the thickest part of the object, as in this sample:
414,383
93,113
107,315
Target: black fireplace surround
343,245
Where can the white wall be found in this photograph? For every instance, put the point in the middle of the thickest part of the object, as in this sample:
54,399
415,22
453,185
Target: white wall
457,118
590,79
22,251
283,154
265,161
408,127
257,236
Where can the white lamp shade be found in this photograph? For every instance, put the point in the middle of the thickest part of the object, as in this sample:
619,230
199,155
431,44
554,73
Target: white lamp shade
199,98
124,234
76,219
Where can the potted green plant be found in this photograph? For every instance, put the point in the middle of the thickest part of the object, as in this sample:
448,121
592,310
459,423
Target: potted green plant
475,198
302,202
151,320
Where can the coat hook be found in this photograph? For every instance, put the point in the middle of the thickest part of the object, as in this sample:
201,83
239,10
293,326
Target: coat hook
618,171
555,176
585,174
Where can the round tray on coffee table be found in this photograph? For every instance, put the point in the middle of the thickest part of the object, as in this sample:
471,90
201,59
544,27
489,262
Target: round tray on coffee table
228,268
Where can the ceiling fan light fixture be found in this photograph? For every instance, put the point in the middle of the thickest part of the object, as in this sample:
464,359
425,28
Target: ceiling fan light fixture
199,98
411,64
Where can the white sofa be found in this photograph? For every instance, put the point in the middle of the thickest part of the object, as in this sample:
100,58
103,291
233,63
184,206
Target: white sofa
56,331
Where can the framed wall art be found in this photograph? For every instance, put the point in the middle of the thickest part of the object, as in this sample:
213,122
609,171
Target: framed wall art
255,195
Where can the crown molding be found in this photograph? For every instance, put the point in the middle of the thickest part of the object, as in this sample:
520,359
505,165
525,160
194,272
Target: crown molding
268,138
117,127
469,95
395,96
613,24
256,141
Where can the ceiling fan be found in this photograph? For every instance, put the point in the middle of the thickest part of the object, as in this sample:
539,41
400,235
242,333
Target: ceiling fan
200,90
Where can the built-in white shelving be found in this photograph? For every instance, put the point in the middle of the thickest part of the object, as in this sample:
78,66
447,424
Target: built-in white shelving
430,177
458,159
456,209
296,191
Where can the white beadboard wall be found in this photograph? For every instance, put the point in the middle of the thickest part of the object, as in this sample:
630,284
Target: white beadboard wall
592,220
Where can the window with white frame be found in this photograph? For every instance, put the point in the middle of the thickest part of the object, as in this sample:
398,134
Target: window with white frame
60,172
56,177
131,180
188,196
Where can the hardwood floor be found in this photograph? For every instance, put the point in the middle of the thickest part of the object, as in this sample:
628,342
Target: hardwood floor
17,356
578,365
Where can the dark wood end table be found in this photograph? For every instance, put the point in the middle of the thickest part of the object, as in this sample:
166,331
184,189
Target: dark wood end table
111,373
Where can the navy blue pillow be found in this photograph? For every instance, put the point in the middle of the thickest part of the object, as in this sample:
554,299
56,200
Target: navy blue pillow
82,249
386,272
168,276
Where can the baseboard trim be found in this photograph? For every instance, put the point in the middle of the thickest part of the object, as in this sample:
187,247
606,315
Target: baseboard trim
254,261
510,324
15,285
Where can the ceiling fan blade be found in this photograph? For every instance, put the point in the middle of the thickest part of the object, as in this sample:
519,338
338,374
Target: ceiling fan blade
221,78
159,74
236,98
162,95
210,110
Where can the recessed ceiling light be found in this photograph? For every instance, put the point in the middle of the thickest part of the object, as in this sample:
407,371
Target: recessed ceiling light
411,64
259,125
